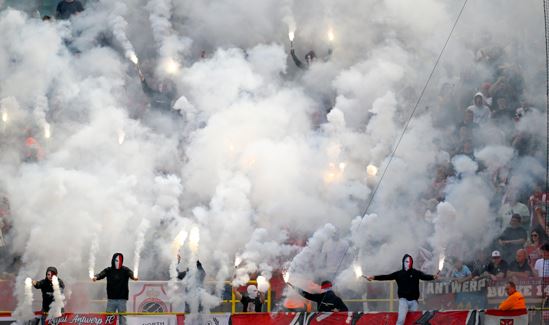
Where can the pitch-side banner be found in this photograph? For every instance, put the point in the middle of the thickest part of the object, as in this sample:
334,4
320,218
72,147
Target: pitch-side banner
432,318
496,317
83,319
207,319
151,320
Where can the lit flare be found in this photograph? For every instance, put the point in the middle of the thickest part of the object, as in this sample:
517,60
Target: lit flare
47,131
194,239
331,35
133,58
121,136
371,170
286,276
358,270
171,66
441,262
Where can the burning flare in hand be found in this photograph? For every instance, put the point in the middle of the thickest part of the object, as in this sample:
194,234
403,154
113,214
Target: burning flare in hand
133,57
194,239
358,270
47,131
171,66
237,261
286,276
441,259
331,35
121,136
371,170
262,284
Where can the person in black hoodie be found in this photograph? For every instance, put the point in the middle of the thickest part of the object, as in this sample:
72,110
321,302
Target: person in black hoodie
118,291
46,286
326,301
407,280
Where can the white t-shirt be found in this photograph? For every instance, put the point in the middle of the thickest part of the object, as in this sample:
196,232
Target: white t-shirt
542,267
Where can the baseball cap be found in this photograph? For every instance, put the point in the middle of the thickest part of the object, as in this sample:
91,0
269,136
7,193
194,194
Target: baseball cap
496,254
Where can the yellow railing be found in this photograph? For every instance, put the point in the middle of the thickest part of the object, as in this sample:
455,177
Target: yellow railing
233,300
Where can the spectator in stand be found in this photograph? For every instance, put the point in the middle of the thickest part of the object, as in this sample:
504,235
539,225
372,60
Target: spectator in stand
542,264
519,268
468,120
538,199
118,291
497,268
524,109
461,272
439,183
503,115
533,246
67,8
480,111
540,214
33,151
467,149
46,286
485,90
515,300
464,135
512,206
478,265
513,237
252,301
4,220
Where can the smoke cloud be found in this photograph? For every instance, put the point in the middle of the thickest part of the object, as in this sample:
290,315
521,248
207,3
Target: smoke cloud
271,163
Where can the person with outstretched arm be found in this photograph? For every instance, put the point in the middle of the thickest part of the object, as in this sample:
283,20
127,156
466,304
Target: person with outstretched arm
407,280
252,300
46,286
118,291
327,300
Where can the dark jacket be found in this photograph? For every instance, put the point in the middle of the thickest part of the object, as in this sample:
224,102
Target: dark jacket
326,301
297,61
46,286
257,304
407,281
117,279
66,9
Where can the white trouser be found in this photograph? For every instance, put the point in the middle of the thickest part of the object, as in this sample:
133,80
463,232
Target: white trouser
404,306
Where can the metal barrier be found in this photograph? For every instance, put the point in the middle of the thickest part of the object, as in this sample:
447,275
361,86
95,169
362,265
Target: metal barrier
376,296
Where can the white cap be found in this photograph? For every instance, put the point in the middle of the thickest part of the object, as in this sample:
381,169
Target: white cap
496,254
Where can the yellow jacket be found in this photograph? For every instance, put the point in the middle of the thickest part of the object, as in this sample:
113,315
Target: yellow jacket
514,301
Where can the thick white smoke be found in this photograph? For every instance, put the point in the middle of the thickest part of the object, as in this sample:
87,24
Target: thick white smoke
258,154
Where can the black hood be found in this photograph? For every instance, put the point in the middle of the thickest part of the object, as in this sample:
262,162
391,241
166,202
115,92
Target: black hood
411,259
121,260
51,269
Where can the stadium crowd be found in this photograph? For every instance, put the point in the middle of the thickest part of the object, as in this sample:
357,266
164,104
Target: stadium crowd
494,111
